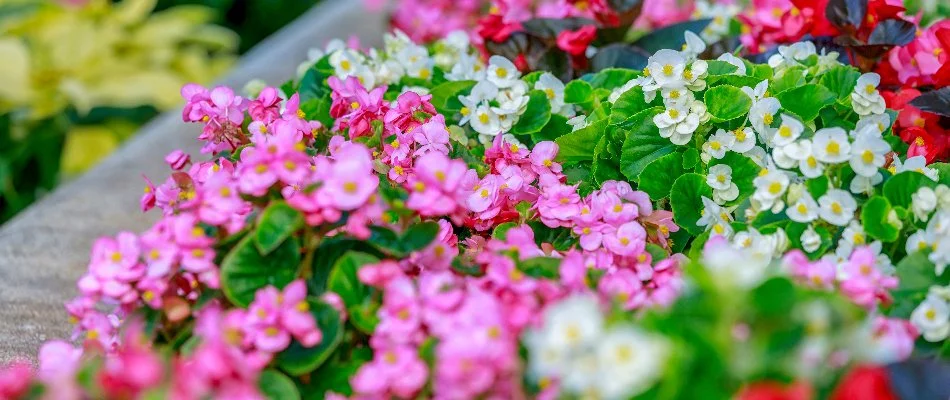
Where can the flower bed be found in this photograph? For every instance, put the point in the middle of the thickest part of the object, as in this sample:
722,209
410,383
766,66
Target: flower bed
413,221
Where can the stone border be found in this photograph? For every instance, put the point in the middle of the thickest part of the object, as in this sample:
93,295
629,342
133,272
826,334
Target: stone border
46,247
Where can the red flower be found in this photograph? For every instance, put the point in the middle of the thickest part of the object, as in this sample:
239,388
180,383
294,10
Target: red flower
575,42
770,390
866,383
493,27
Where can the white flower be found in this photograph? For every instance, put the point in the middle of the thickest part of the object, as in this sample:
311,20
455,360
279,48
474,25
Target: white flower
879,122
867,153
574,322
694,45
744,268
616,93
715,218
789,56
830,145
762,114
866,99
919,241
772,184
731,59
630,362
677,96
853,235
345,62
758,93
695,75
923,202
718,144
789,131
679,122
810,240
916,163
468,67
720,180
666,67
743,140
837,207
513,99
553,88
785,156
578,122
502,72
804,210
932,319
485,121
807,162
864,184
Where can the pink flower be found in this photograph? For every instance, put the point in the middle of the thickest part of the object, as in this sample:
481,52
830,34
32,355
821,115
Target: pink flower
893,339
266,107
432,136
629,240
58,359
862,282
177,159
624,286
395,371
274,316
15,380
438,186
351,180
558,204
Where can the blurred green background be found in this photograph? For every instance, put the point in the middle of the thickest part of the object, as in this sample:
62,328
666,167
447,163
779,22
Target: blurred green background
78,77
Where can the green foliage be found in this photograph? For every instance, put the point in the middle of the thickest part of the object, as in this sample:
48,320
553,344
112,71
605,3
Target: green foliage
725,103
643,144
686,201
300,360
276,224
344,281
245,269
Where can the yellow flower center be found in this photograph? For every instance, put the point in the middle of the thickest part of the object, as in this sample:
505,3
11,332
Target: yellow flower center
836,208
483,118
673,113
550,93
802,209
869,89
349,187
668,70
867,156
768,118
501,72
785,131
775,188
833,148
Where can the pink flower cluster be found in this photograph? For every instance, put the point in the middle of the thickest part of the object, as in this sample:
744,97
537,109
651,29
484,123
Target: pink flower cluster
858,278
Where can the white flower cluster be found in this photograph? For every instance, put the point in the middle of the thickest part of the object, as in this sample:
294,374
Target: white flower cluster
588,359
795,55
932,316
500,96
720,16
745,262
675,75
399,58
932,206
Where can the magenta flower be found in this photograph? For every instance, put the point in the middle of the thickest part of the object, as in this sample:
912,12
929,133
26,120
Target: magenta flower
351,180
275,316
395,371
432,136
558,204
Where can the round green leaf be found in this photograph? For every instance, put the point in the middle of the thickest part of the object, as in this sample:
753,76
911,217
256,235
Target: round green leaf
658,177
610,78
536,115
277,386
277,223
245,270
579,145
299,360
643,144
628,104
578,92
344,281
899,188
874,215
806,101
445,96
686,201
725,102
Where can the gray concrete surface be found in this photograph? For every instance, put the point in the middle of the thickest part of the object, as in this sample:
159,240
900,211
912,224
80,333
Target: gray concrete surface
46,248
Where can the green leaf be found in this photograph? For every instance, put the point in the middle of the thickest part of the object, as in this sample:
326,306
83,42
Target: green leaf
277,386
643,144
806,101
299,360
415,238
943,172
899,188
874,216
580,144
536,115
610,78
744,171
445,96
658,176
604,167
726,103
501,230
277,223
686,201
628,104
774,298
557,126
916,273
317,109
313,84
794,230
245,270
716,67
840,80
344,281
657,253
532,78
541,267
690,158
817,187
578,92
791,78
